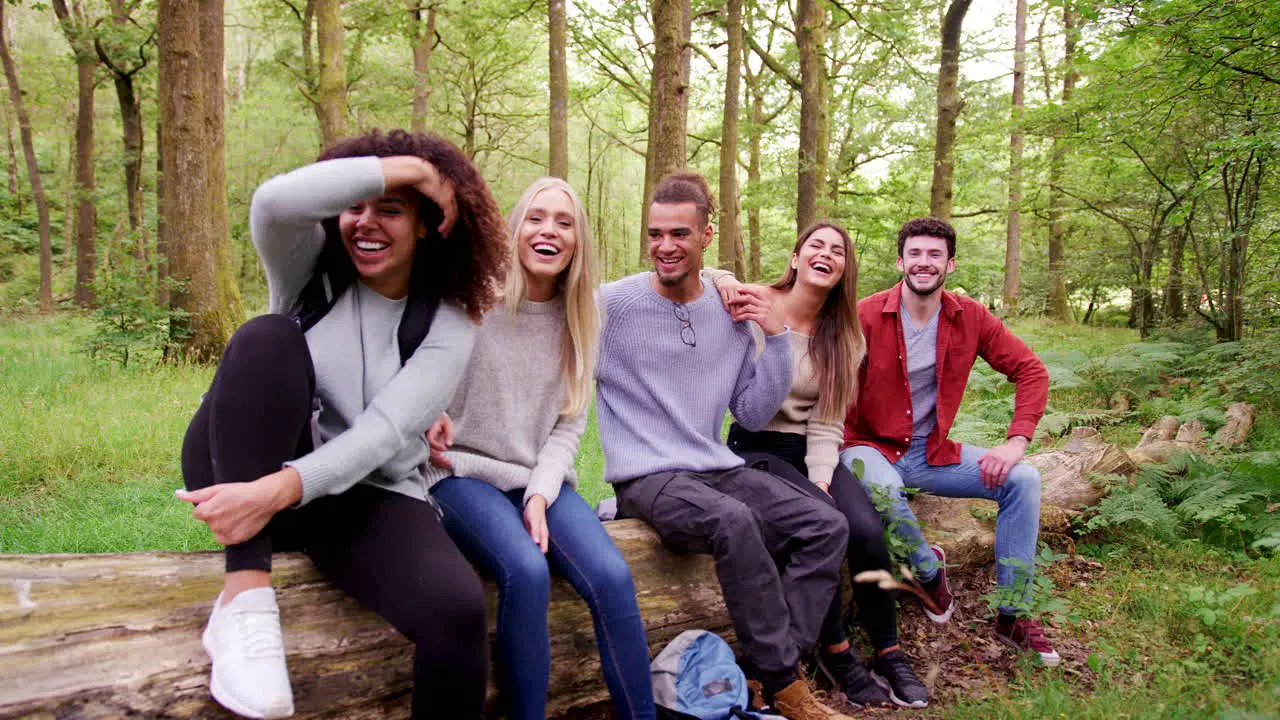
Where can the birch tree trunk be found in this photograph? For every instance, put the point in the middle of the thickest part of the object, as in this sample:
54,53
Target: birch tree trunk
949,107
45,298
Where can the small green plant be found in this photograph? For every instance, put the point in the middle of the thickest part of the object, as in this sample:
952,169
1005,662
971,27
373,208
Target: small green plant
1033,591
1234,504
128,321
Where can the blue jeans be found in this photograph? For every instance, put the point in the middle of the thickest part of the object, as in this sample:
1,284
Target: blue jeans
488,525
1017,521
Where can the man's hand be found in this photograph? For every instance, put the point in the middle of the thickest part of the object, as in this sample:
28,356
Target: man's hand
440,439
824,487
235,512
535,521
999,460
754,303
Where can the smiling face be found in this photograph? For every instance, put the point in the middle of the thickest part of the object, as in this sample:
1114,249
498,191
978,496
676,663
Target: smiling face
381,234
548,237
924,264
820,260
676,242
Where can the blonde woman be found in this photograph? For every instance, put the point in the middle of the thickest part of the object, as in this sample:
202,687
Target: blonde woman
818,296
504,453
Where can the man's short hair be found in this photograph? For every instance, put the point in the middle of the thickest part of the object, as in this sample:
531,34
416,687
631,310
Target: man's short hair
685,187
928,227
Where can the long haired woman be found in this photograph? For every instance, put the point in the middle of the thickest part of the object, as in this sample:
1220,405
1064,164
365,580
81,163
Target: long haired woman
506,482
817,296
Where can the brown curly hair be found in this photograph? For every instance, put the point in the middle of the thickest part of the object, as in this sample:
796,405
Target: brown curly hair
928,227
470,265
686,187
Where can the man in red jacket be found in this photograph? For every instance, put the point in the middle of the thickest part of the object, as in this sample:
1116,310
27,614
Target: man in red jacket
921,344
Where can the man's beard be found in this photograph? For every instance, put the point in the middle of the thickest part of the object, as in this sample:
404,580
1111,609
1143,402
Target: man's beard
941,280
672,280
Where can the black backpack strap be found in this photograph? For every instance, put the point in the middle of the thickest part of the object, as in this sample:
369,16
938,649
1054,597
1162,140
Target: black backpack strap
415,323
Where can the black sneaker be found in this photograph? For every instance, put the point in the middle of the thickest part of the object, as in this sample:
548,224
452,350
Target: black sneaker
894,675
846,672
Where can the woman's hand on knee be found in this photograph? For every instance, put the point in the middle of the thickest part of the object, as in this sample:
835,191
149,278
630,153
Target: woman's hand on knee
235,512
535,521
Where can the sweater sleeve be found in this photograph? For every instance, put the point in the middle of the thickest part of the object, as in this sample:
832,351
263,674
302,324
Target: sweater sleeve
763,382
399,414
285,215
822,449
555,458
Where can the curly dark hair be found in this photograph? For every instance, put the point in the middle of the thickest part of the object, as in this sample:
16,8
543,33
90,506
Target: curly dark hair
928,227
686,187
470,265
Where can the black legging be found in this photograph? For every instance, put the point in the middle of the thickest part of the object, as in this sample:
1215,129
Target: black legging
386,550
782,454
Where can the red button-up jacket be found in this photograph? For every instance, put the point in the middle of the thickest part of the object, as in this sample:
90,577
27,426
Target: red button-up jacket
881,417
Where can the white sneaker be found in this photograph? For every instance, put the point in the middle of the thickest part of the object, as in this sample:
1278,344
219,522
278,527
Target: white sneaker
243,639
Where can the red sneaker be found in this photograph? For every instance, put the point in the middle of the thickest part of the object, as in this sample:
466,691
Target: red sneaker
941,593
1026,635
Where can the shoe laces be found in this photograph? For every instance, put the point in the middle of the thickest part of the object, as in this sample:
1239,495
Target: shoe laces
259,632
1031,634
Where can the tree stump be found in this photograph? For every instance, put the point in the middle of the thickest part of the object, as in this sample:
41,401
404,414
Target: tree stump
1240,417
96,636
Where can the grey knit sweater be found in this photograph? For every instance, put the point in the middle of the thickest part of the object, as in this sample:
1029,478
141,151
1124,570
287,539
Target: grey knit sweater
661,402
373,412
508,430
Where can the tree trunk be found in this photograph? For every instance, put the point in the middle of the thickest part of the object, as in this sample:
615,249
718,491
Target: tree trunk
79,36
194,210
423,43
12,165
753,174
668,102
1174,304
1013,229
1058,307
45,299
949,107
333,70
558,160
811,31
162,237
730,227
86,211
119,635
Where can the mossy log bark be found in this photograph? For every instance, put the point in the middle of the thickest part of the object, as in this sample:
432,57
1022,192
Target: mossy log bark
96,636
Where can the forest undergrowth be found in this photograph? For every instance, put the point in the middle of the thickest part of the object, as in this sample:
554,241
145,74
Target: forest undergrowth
1168,606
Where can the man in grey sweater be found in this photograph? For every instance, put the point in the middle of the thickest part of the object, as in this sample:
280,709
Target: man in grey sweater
672,361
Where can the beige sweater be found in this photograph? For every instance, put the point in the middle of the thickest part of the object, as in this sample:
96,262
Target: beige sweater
799,412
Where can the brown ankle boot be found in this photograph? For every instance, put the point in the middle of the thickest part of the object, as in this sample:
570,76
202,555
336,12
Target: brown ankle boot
795,702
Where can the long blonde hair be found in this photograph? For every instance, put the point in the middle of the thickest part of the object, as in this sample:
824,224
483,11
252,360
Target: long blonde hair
836,345
577,283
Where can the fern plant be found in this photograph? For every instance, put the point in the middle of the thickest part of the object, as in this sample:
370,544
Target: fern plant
1232,504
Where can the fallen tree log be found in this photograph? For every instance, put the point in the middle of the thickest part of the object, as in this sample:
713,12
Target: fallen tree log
97,636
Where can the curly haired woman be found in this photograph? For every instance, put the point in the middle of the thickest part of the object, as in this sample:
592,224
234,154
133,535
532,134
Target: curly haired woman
380,259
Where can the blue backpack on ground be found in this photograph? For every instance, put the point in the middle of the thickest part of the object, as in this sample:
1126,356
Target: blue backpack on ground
696,677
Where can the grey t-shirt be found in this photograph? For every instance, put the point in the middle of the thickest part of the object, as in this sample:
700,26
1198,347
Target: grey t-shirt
922,361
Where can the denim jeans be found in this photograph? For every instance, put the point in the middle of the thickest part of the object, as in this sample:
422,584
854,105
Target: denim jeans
1017,521
488,525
